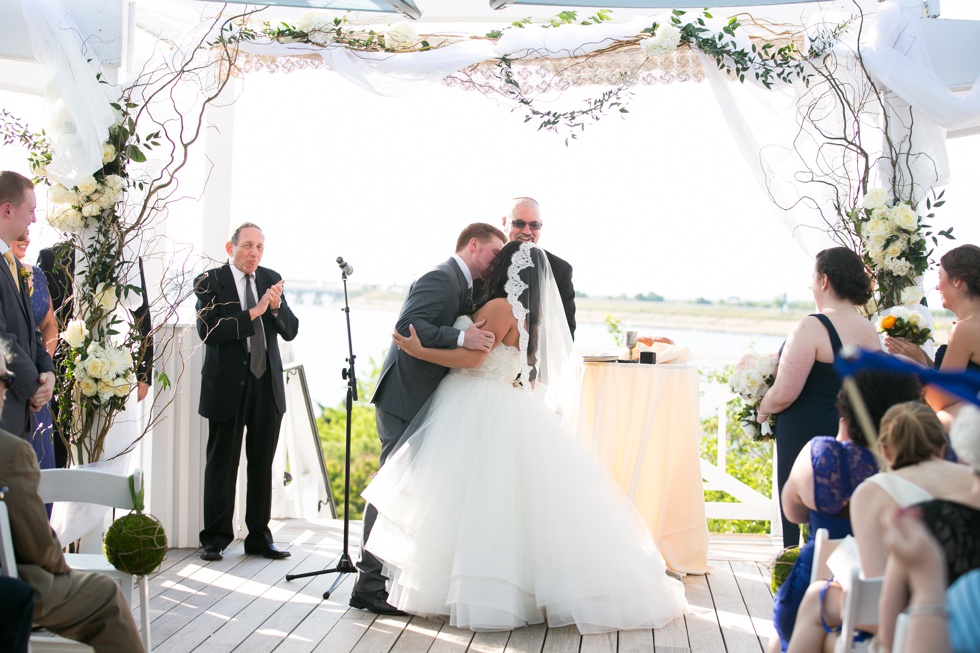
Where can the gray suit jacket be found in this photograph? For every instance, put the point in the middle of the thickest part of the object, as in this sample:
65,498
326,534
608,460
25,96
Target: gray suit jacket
434,302
28,356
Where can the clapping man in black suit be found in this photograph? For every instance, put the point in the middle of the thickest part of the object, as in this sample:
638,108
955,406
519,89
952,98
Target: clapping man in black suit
30,363
433,303
524,223
241,312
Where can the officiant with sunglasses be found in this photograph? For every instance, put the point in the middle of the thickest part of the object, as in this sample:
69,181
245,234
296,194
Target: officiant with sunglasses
524,223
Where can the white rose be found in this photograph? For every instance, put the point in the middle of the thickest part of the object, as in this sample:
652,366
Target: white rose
75,334
901,313
750,429
121,386
876,198
898,266
87,385
914,318
67,220
105,296
96,367
904,217
58,194
117,115
401,36
106,391
115,182
91,210
106,200
753,381
108,152
878,228
763,365
87,186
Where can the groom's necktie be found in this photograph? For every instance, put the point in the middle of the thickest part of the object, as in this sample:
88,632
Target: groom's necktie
256,342
9,255
469,299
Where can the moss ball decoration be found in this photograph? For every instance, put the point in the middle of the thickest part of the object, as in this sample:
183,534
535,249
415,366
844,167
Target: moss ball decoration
136,544
782,565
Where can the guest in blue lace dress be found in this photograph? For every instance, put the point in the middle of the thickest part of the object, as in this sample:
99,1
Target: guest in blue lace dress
959,288
42,432
806,386
824,476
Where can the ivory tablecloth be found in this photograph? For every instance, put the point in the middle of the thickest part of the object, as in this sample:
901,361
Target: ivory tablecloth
642,422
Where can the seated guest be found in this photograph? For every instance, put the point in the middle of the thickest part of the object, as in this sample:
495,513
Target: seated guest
954,522
959,288
823,478
86,607
939,620
16,614
912,443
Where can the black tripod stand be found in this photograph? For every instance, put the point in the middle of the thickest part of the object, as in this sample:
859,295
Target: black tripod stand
344,564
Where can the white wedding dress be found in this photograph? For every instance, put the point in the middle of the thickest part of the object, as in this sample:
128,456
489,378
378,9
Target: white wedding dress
492,515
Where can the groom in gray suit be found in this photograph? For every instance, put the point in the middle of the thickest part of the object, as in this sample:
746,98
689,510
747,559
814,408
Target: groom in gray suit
434,302
31,383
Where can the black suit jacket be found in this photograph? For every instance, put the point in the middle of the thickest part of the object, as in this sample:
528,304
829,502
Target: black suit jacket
433,303
563,278
28,358
225,327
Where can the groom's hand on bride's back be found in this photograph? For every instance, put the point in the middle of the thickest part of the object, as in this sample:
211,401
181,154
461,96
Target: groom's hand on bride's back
478,339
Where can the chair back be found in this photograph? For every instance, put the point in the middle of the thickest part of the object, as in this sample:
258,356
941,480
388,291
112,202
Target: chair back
8,562
861,598
82,485
823,546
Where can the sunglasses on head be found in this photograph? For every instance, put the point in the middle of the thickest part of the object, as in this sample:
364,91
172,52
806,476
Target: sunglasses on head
520,224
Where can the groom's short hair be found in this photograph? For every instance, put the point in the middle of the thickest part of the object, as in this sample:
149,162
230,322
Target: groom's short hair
482,231
14,187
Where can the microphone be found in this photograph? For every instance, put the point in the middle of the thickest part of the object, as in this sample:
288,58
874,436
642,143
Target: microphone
345,266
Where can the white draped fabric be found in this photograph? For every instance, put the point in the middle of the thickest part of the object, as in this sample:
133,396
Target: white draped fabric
79,112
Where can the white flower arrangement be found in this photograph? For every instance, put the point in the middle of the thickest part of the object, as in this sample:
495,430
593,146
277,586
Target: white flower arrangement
664,41
751,379
907,322
891,242
103,373
402,37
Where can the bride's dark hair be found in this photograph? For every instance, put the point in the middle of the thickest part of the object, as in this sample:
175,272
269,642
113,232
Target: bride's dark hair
494,288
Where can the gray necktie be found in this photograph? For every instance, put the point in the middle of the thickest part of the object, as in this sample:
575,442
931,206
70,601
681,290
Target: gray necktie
256,341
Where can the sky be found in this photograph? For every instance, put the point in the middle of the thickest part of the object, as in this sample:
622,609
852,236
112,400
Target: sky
656,201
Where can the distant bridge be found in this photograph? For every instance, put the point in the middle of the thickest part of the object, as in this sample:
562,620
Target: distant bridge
314,291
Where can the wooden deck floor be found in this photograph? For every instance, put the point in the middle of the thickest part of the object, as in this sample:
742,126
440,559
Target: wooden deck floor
244,603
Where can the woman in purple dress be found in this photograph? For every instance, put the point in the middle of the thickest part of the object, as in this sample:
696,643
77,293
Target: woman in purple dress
42,433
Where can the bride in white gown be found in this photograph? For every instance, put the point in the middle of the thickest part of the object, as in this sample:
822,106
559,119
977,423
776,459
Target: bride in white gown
490,513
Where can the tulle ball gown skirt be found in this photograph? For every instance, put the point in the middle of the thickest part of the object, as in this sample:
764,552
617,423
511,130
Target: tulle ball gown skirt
492,515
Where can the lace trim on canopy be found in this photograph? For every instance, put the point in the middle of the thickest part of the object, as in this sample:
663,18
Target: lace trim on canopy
515,287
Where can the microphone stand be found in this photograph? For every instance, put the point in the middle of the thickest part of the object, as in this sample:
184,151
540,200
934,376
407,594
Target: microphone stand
344,564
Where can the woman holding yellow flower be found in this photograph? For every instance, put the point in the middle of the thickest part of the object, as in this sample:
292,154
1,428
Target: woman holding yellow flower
959,288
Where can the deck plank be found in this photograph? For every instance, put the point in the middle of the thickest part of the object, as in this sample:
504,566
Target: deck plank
494,642
703,629
733,615
452,640
756,587
635,641
529,639
599,643
565,639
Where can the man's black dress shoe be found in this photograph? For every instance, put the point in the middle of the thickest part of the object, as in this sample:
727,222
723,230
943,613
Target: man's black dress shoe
211,553
270,551
376,602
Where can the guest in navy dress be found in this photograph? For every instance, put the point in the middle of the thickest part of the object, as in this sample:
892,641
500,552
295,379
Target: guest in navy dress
42,432
959,288
806,386
824,476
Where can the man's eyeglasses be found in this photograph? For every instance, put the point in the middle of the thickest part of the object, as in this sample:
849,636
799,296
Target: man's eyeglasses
520,224
7,379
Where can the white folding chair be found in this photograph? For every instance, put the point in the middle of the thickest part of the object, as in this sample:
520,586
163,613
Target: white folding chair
43,640
861,598
82,485
823,546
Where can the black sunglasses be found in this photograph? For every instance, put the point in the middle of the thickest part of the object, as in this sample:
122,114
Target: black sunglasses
520,224
8,379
